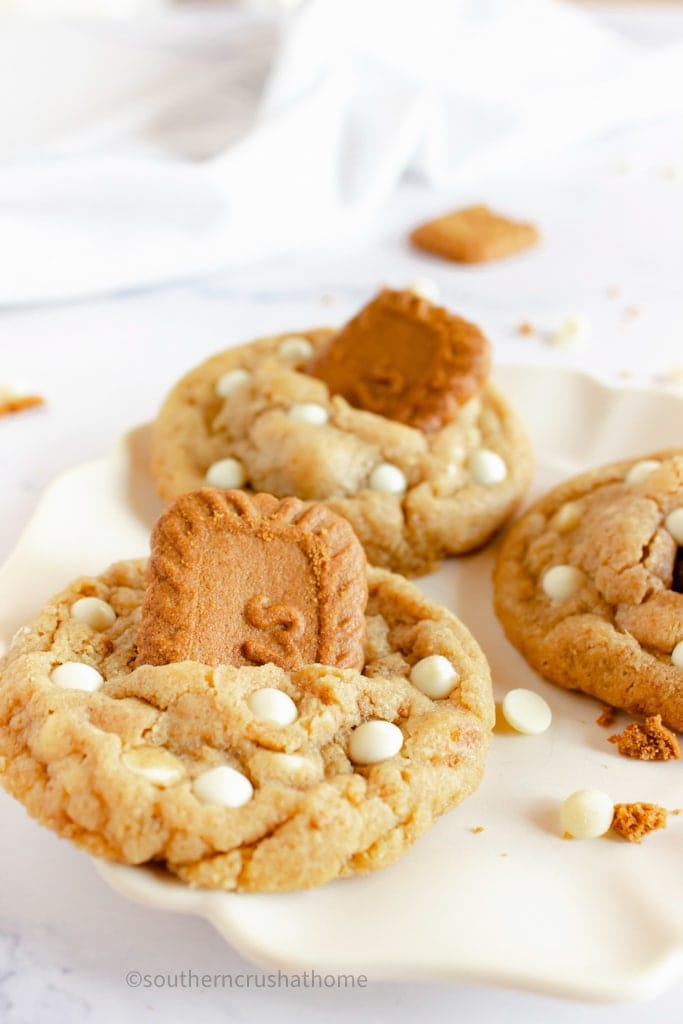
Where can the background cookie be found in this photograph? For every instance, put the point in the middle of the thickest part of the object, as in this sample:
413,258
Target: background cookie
588,585
250,417
248,778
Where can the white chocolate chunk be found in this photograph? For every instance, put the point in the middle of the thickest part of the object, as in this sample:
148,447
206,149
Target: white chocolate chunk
487,467
375,741
567,517
230,381
526,711
435,676
295,349
587,814
572,332
308,412
74,675
226,474
224,786
677,655
154,764
562,582
674,524
93,612
640,471
388,479
425,288
272,705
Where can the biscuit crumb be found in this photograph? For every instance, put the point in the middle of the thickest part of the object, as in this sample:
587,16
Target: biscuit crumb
631,312
478,829
676,811
567,835
651,741
614,291
633,821
19,403
526,328
606,717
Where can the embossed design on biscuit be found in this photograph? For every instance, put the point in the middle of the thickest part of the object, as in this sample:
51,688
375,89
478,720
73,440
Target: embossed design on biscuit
241,579
405,359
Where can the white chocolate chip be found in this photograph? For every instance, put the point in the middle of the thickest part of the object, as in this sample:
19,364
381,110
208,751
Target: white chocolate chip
226,474
74,675
272,705
230,381
587,814
224,786
154,764
295,349
526,711
674,524
487,467
639,471
308,412
388,479
93,612
425,288
572,332
562,582
375,741
677,655
434,676
567,517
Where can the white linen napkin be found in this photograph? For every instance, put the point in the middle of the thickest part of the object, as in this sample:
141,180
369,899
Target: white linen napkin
138,155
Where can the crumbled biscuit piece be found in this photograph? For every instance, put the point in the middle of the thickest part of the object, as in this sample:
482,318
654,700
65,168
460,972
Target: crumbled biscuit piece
19,403
633,821
606,718
526,328
474,235
478,829
631,312
651,741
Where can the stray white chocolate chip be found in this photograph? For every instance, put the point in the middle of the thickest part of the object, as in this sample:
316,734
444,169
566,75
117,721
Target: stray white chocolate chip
674,524
487,467
74,675
587,814
375,741
435,676
425,288
154,764
295,349
230,381
562,582
226,474
308,412
572,332
224,786
388,478
526,711
567,517
640,471
272,705
93,612
677,655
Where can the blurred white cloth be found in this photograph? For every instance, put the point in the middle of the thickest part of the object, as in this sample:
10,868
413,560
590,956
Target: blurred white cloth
135,155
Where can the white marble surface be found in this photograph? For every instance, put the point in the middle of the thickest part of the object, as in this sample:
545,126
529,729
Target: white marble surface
611,216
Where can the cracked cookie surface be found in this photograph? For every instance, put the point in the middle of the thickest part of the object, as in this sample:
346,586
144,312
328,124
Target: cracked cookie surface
462,482
122,771
588,585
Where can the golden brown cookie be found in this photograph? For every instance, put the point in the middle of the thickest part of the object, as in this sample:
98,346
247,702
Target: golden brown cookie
240,579
249,778
406,359
474,235
251,417
586,585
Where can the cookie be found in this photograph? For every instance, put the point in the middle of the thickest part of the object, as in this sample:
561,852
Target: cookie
252,417
251,777
474,235
587,585
239,579
406,359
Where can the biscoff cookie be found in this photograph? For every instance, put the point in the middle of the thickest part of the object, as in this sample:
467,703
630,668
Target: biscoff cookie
474,234
255,417
248,777
588,585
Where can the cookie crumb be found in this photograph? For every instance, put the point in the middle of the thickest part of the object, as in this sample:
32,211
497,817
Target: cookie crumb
633,821
567,835
606,717
676,811
477,829
526,328
631,312
651,741
614,292
20,402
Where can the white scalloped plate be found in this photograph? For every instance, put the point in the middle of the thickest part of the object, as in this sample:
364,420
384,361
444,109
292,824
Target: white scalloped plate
513,905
